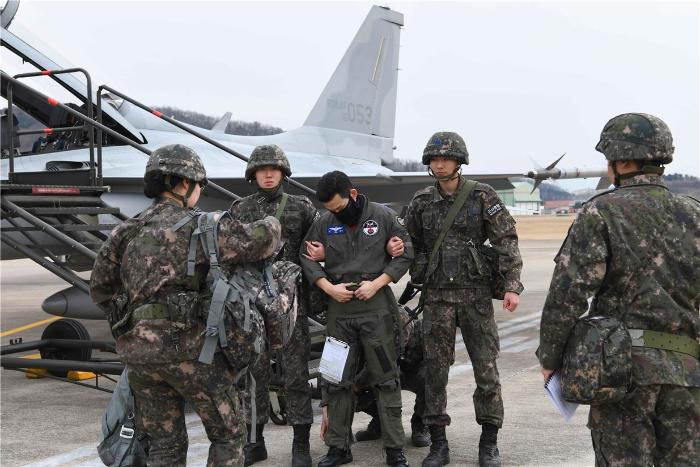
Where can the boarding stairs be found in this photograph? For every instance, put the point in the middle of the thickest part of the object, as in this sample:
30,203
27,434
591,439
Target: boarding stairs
61,226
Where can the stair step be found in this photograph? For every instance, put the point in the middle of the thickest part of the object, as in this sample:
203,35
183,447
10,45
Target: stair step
65,228
72,210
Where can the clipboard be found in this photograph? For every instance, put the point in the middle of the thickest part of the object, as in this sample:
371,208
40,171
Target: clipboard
334,359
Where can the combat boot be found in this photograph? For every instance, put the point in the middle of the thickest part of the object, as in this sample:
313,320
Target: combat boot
395,457
488,447
372,432
439,450
257,451
301,453
420,435
336,456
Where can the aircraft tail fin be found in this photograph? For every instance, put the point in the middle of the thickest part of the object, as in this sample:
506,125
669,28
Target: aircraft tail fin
361,95
222,123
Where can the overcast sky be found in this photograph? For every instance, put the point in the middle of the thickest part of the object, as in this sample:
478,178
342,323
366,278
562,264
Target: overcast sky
516,79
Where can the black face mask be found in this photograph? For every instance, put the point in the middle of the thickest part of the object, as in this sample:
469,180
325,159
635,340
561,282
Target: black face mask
350,214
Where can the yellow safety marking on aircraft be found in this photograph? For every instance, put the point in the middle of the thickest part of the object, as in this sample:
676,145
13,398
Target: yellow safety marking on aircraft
29,326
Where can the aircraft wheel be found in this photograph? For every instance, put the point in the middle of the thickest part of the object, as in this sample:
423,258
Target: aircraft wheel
278,408
65,329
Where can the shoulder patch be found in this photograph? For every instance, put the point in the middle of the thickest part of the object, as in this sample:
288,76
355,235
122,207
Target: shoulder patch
495,209
335,229
317,216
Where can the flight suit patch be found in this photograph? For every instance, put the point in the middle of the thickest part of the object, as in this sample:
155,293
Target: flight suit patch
370,228
335,230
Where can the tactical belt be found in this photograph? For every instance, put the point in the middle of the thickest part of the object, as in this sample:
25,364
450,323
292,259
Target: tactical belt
151,311
665,341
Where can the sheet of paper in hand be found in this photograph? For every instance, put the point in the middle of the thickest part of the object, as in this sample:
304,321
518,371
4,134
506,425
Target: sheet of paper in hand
553,389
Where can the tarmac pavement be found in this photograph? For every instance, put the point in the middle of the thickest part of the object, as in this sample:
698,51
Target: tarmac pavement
50,423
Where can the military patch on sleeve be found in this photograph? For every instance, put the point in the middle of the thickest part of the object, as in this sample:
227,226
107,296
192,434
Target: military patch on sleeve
493,210
335,230
401,221
316,216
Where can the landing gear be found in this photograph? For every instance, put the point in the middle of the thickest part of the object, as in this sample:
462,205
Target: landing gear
65,329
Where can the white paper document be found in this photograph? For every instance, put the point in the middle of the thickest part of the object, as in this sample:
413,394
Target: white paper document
553,389
333,360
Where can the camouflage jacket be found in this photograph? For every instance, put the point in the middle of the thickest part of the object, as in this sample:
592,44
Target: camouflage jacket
298,215
353,255
482,217
145,260
636,250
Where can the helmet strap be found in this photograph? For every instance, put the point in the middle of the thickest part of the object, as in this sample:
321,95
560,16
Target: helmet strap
457,173
183,199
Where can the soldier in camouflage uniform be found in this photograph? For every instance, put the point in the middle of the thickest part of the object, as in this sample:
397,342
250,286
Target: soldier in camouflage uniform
267,168
457,290
636,250
140,280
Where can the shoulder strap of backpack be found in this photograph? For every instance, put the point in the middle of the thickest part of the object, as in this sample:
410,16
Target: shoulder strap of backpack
215,332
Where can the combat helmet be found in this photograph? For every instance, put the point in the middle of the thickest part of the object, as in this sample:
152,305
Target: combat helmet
636,137
446,144
180,161
267,155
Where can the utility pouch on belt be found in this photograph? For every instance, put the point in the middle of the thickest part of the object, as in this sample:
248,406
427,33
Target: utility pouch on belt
597,364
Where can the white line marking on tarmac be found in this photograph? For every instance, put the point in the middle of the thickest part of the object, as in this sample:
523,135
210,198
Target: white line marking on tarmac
198,451
65,458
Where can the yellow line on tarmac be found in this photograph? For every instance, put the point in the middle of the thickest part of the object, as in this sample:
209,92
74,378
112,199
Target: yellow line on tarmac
29,326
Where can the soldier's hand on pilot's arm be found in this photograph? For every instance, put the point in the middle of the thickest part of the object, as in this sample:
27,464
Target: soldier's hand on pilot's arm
337,292
315,251
324,422
394,247
511,301
369,289
545,373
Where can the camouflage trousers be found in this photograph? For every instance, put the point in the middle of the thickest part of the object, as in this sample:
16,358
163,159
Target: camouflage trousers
161,392
293,368
653,425
474,315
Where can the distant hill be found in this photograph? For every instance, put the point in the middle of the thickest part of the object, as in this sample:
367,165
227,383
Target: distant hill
683,184
234,127
405,165
551,191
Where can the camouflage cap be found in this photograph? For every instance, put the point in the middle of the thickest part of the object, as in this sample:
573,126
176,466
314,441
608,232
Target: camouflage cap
179,160
446,144
636,137
267,154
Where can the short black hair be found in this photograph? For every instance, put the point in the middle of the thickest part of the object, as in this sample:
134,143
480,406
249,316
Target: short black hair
154,183
333,183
